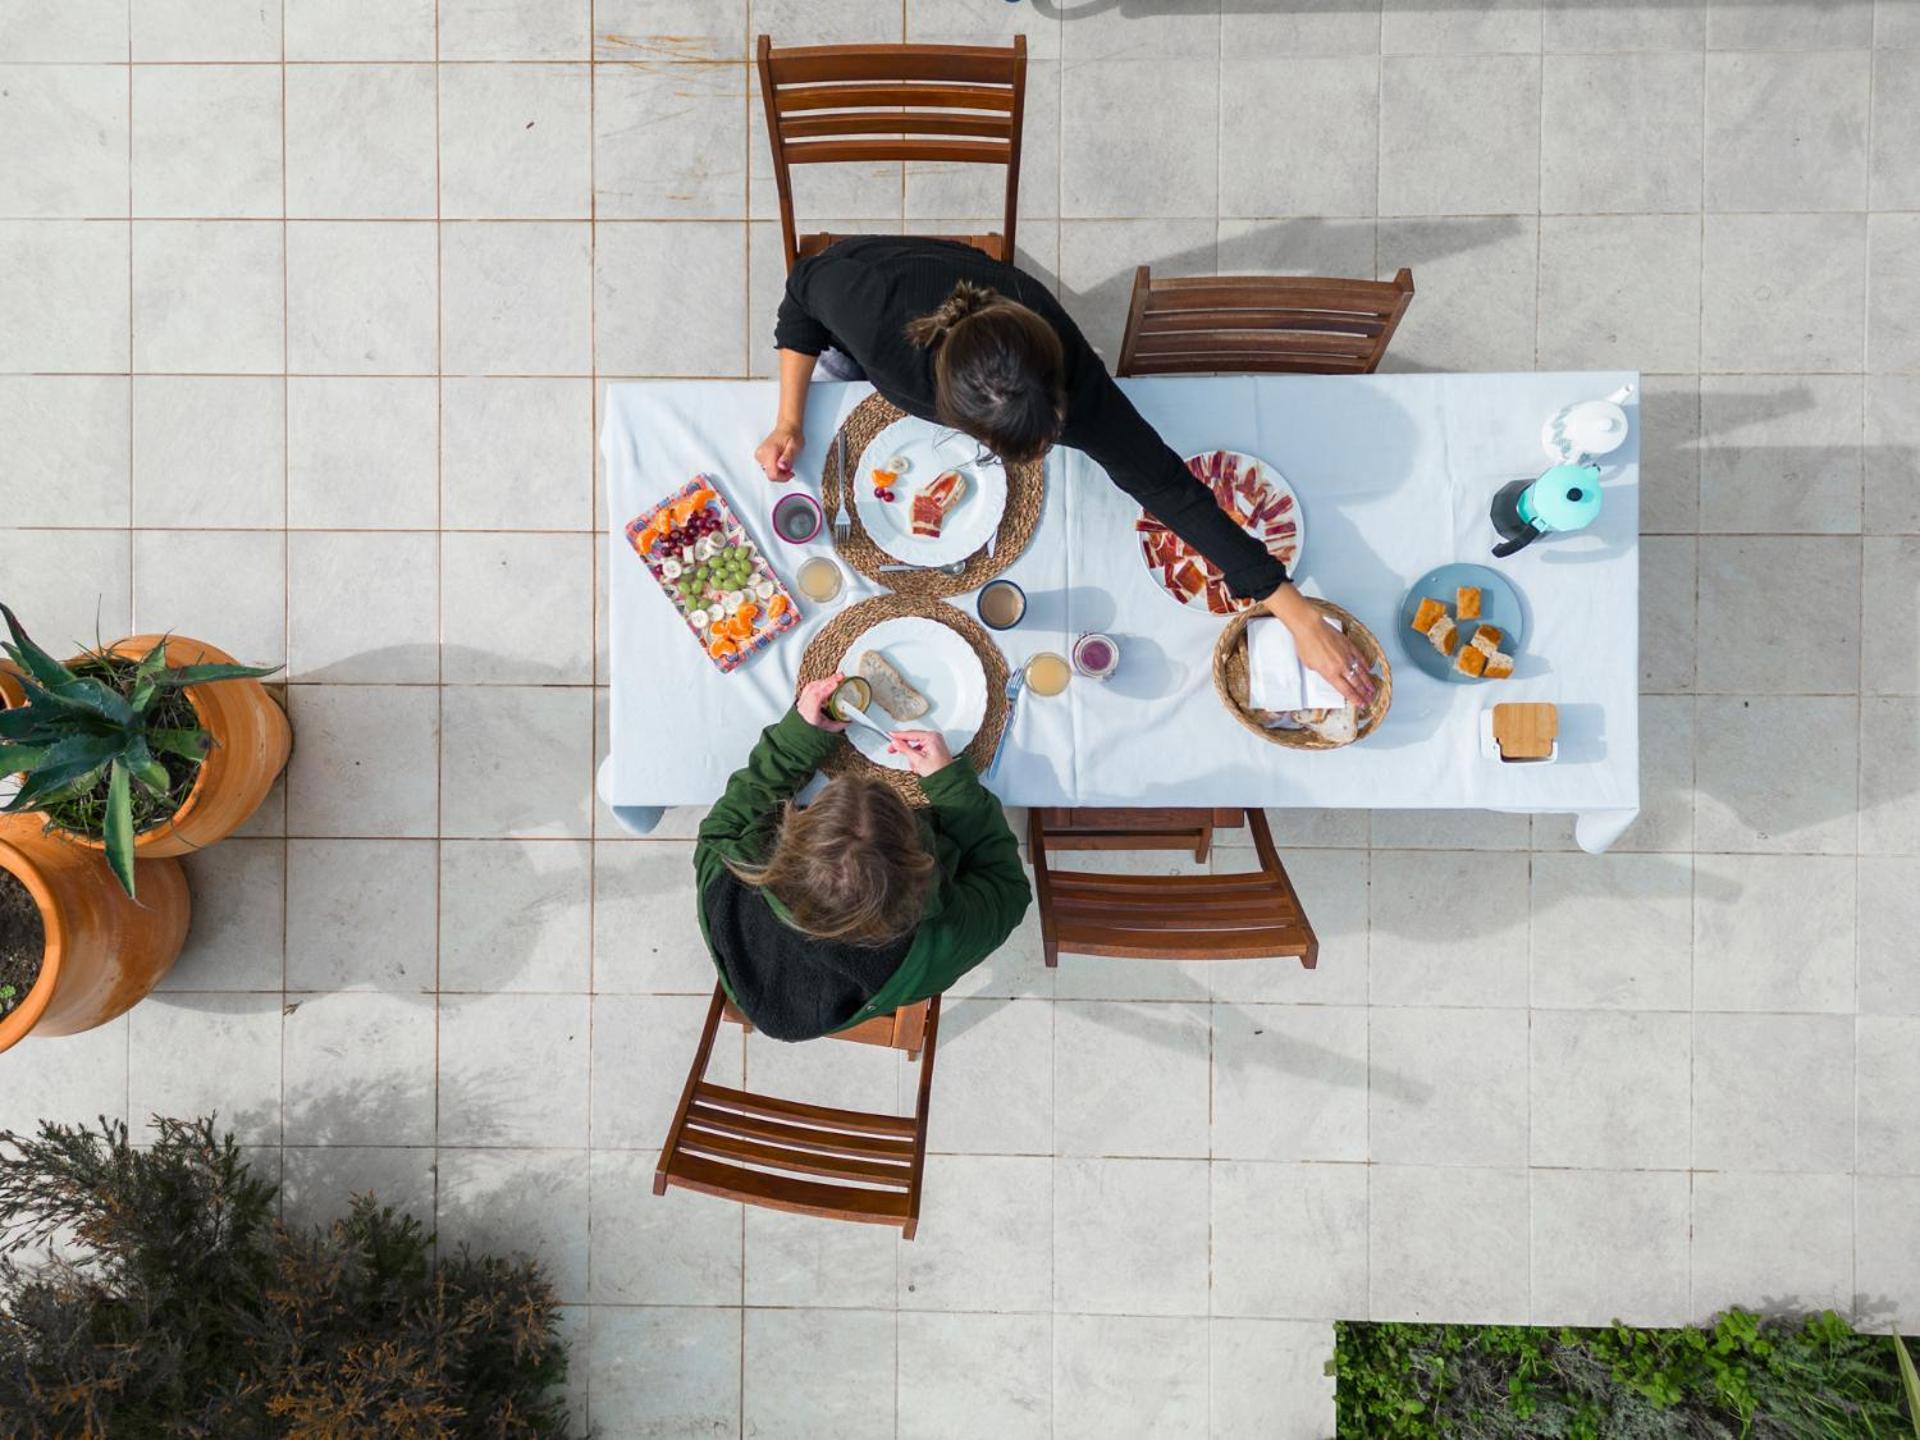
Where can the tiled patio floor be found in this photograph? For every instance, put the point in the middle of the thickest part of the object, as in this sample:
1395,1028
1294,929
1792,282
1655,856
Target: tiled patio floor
301,333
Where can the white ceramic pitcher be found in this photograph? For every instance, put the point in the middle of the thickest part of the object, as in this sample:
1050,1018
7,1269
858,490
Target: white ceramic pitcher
1588,429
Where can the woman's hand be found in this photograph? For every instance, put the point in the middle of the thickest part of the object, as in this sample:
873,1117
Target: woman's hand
812,703
779,450
1324,650
926,750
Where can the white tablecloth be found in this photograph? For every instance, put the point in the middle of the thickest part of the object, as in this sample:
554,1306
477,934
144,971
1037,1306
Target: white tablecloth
1394,474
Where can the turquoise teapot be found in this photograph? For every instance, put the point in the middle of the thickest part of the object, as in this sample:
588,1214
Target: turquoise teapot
1566,498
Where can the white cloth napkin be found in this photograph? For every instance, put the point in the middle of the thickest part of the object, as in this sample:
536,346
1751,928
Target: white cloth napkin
1276,680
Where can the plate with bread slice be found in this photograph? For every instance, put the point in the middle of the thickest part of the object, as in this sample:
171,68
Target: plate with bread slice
924,676
1463,624
921,496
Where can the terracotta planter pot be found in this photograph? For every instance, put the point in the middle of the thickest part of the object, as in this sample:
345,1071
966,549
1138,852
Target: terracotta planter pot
104,952
251,742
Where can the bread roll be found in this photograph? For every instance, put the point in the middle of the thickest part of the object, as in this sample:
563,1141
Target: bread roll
891,692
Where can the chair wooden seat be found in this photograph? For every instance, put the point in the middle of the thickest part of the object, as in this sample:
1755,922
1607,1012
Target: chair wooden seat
1164,917
791,1155
840,104
1261,324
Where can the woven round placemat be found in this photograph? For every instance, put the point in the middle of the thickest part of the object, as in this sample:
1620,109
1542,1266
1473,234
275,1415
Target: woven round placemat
836,639
1230,680
1026,496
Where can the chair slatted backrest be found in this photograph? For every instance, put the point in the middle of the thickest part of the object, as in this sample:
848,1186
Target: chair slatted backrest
1238,916
1261,324
834,104
809,1159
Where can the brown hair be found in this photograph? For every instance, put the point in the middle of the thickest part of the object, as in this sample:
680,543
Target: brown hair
998,371
851,866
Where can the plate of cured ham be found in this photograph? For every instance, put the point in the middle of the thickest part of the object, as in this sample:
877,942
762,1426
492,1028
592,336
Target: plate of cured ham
1261,503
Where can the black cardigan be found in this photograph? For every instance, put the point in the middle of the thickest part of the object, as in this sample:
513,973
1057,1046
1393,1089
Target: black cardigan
858,296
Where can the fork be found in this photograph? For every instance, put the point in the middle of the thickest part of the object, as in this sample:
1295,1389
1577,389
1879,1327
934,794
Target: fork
842,522
1016,682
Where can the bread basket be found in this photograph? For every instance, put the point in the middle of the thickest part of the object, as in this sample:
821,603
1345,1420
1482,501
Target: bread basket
1230,680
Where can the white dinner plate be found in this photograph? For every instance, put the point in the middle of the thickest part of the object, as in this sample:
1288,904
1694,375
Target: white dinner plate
928,449
936,662
1257,485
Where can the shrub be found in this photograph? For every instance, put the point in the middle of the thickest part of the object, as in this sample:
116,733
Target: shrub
190,1311
1808,1378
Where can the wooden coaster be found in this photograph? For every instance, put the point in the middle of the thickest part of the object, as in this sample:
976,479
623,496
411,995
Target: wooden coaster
1026,497
1525,731
834,640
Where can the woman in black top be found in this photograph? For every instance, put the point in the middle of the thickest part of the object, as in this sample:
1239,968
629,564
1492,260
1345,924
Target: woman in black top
949,334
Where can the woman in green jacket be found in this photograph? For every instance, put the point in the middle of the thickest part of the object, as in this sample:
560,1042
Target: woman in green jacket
821,917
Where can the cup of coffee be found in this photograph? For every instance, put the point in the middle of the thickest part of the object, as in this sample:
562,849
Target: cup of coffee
1001,604
1096,656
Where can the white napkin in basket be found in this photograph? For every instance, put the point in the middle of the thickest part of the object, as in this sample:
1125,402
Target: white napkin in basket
1276,680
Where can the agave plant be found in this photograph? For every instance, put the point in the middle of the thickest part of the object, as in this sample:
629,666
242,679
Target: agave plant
107,746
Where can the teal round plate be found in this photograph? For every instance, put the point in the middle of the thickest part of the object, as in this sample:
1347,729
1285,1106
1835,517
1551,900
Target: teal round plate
1499,605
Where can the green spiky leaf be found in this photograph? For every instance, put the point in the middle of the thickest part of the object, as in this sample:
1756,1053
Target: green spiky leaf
48,787
201,674
188,744
119,828
86,751
146,677
148,773
31,658
1909,1381
20,723
84,697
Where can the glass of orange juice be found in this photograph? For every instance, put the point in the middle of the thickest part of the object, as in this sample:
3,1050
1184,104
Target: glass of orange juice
1048,673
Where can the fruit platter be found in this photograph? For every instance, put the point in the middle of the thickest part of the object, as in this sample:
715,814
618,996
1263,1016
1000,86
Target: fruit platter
713,573
1260,501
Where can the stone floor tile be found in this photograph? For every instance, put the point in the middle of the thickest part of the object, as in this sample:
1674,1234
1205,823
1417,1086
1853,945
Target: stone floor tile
1289,1082
1112,1373
1289,1241
1129,1237
1443,1244
967,1375
680,1248
1610,1245
1447,1086
1771,1242
1611,1089
1745,1118
819,1374
1130,1079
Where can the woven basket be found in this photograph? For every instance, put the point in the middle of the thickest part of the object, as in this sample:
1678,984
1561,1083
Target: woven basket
1230,680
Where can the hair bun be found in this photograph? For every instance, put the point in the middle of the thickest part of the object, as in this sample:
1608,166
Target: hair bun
966,299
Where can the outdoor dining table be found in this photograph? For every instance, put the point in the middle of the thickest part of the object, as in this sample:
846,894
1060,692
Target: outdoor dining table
1394,474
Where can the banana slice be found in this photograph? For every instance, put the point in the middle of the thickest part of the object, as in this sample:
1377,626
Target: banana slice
671,569
699,619
763,590
733,600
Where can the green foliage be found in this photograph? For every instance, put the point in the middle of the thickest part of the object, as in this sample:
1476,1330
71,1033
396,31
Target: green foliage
193,1314
1809,1378
108,746
1909,1381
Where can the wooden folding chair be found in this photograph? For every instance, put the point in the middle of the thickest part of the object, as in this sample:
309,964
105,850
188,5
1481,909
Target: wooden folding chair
865,1167
1164,917
1261,324
830,104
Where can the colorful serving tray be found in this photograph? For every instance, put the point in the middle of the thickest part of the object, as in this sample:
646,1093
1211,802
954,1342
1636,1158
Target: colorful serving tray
716,623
